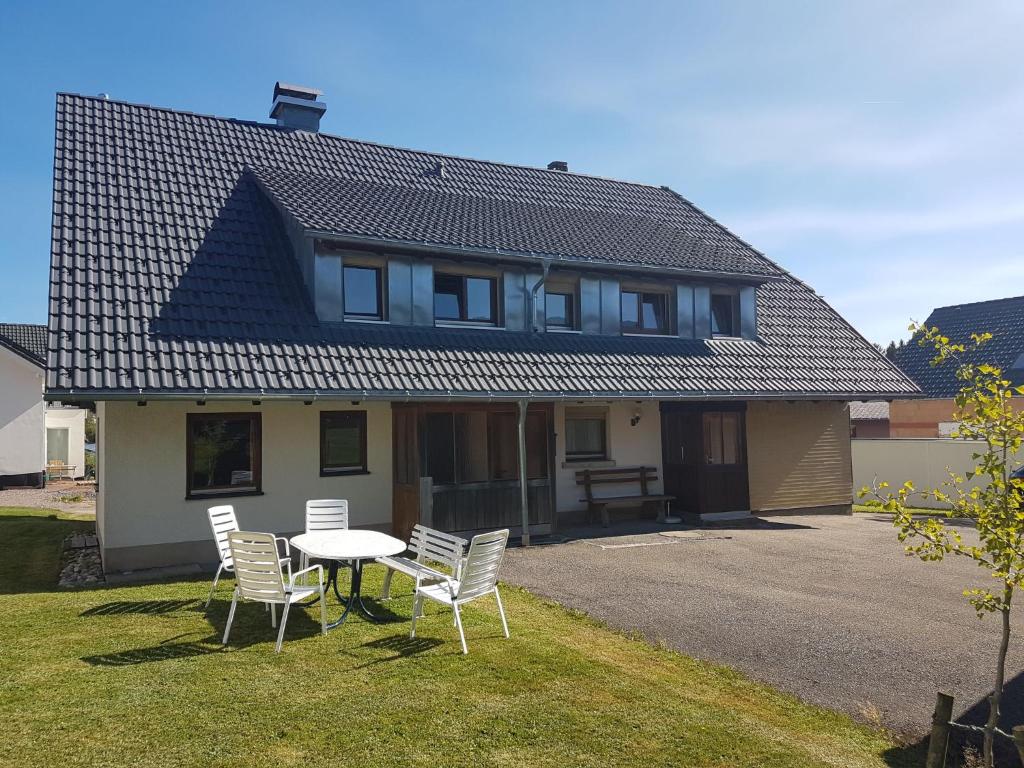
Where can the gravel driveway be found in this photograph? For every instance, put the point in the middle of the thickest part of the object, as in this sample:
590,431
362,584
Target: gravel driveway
826,607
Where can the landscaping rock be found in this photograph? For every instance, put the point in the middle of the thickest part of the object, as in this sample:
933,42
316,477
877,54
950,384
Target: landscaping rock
81,564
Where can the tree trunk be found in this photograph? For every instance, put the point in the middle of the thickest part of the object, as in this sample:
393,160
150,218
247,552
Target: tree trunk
997,691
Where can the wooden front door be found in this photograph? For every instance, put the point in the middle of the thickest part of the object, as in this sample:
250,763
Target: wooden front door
704,455
405,504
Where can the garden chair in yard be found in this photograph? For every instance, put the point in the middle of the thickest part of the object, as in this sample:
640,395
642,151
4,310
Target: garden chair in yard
478,578
324,515
430,546
223,522
260,578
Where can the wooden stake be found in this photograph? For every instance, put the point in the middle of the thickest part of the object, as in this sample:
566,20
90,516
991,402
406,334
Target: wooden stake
939,741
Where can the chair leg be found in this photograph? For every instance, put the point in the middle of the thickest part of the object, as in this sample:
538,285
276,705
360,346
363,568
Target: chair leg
385,591
273,615
458,623
303,565
417,604
284,621
231,616
323,610
501,612
216,578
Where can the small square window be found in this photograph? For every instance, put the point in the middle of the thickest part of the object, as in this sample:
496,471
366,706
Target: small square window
342,442
724,314
586,434
462,298
644,312
222,454
560,309
362,288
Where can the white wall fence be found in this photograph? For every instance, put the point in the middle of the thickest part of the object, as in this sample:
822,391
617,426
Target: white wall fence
924,461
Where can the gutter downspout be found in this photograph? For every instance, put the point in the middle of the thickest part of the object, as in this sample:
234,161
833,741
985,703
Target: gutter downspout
524,498
532,299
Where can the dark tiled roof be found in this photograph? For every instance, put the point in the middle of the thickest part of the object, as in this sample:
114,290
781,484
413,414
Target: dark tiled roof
1003,318
25,339
438,217
873,410
171,273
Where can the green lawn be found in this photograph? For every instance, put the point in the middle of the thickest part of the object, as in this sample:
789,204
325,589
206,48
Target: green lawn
137,676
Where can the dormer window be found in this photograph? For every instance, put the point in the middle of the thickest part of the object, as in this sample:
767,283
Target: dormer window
363,294
644,312
725,314
465,299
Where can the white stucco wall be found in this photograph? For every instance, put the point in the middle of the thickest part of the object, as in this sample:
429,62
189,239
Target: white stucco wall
143,465
22,435
73,420
628,446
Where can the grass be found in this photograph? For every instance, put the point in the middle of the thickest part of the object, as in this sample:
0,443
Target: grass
869,508
137,676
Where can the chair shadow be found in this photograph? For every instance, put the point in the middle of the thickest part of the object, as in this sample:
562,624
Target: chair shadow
165,651
401,646
145,607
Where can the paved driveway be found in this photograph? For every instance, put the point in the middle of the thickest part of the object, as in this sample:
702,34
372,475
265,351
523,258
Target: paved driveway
826,607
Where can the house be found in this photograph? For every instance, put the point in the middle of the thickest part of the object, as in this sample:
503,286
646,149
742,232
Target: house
869,419
265,313
933,415
32,433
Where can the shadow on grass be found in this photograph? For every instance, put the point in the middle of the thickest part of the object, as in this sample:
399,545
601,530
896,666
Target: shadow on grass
161,652
400,647
147,607
36,538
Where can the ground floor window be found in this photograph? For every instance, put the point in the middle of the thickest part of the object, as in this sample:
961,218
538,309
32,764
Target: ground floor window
586,434
476,446
342,442
223,453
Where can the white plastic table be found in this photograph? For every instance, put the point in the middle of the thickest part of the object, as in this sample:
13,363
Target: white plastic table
352,546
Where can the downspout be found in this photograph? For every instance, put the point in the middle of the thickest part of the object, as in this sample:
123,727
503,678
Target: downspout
524,497
532,298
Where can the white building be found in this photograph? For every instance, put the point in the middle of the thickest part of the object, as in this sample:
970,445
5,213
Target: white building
33,434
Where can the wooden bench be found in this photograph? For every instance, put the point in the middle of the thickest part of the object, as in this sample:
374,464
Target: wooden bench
642,476
58,470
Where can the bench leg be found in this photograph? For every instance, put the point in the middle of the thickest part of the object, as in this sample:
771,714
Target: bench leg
604,515
385,590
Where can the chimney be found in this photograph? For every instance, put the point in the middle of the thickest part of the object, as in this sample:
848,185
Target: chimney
296,106
558,165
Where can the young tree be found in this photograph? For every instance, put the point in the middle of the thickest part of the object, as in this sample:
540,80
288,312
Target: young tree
985,411
890,351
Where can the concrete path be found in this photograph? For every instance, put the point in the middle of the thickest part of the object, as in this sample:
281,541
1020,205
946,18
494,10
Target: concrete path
826,607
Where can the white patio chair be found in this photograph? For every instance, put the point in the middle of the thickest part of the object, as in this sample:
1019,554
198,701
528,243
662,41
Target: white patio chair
478,578
222,523
324,515
260,578
429,546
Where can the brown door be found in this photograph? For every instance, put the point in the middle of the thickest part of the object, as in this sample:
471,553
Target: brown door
704,457
405,504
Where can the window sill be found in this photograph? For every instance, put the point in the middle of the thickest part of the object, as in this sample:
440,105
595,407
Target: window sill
369,320
343,472
651,335
588,464
221,494
725,337
560,329
468,324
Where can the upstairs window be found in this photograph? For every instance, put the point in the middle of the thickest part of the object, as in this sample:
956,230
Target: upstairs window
560,309
465,299
644,312
725,314
363,295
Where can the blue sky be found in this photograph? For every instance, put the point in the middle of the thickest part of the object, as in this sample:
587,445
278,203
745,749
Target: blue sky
872,148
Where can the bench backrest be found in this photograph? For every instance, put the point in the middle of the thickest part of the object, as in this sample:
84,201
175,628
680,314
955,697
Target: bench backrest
616,476
441,547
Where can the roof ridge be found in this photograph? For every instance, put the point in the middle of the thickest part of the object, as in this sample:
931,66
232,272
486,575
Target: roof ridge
381,145
978,303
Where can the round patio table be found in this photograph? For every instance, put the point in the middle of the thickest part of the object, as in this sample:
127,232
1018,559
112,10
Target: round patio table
353,547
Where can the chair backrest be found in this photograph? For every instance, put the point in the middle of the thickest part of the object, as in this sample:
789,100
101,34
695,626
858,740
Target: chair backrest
223,522
257,566
482,563
438,546
326,514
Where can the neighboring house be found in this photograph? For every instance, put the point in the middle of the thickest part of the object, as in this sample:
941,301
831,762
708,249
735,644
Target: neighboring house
31,433
932,416
869,419
266,314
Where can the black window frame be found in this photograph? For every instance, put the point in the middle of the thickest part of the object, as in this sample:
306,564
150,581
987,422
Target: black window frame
572,321
255,455
642,297
734,314
577,456
359,418
379,315
463,294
